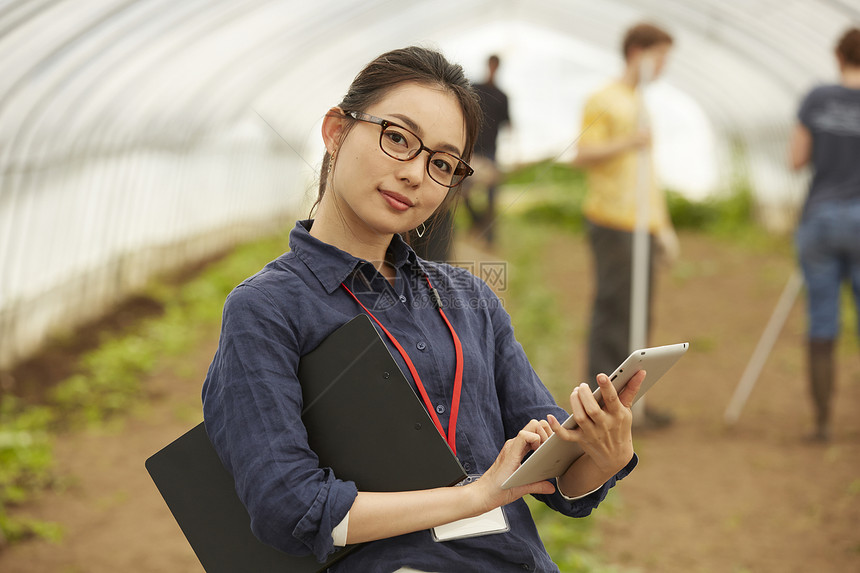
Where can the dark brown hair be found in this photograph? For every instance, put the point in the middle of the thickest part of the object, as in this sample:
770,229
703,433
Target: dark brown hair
406,65
848,47
644,36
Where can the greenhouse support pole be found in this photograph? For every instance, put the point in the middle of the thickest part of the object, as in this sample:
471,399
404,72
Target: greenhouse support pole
763,348
641,238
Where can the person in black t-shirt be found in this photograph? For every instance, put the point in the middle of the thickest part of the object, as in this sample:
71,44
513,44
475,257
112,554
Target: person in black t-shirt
494,104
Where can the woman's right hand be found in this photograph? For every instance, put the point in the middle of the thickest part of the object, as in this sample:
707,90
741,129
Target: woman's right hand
641,139
489,486
379,515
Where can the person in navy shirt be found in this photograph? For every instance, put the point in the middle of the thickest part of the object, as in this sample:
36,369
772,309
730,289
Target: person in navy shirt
397,147
826,137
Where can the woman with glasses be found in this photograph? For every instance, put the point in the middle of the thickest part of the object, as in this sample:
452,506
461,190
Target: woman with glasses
397,147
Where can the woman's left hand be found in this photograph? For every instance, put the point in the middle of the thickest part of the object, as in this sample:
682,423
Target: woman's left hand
603,433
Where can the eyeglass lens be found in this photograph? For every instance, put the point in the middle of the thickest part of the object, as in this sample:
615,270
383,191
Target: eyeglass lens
401,144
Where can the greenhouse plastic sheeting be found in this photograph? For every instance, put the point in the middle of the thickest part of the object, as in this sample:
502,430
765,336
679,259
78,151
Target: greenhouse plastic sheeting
138,136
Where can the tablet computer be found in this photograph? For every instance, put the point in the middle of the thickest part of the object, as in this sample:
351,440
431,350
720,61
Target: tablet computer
555,455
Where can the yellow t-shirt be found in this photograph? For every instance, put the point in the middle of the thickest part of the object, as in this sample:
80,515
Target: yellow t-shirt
612,113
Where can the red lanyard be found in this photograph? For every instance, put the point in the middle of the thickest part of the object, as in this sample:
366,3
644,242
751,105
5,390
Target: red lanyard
458,370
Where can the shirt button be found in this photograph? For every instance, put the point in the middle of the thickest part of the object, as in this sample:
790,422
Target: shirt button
440,409
403,298
526,567
467,466
421,346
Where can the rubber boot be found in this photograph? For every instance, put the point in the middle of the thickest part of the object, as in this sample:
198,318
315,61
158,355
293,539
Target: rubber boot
821,385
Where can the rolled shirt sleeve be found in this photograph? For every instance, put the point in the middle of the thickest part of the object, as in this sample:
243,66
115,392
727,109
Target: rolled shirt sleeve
252,404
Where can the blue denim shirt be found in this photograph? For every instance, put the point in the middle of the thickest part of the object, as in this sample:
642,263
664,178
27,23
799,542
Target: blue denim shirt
252,400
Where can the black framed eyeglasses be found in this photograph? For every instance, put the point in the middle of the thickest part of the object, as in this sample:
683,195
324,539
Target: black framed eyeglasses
401,144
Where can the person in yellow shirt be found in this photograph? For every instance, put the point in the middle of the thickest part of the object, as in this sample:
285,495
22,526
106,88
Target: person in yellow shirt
613,142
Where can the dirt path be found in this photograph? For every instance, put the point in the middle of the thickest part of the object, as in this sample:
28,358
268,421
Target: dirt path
704,499
113,518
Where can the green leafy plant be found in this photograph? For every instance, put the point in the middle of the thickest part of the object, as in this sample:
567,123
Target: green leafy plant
25,463
546,193
549,193
111,378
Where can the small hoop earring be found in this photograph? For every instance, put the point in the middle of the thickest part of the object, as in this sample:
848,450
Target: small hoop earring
422,231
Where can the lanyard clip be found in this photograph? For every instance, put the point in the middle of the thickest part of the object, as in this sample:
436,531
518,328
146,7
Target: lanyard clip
437,300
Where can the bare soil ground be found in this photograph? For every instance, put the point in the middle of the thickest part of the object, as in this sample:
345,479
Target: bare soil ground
754,497
705,498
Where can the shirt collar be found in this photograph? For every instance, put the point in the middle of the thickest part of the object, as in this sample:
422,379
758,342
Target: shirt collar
333,266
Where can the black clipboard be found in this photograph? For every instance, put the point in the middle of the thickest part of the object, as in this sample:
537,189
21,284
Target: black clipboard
364,421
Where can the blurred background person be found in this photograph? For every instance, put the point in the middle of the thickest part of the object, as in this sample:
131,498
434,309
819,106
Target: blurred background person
614,139
827,138
434,244
494,104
